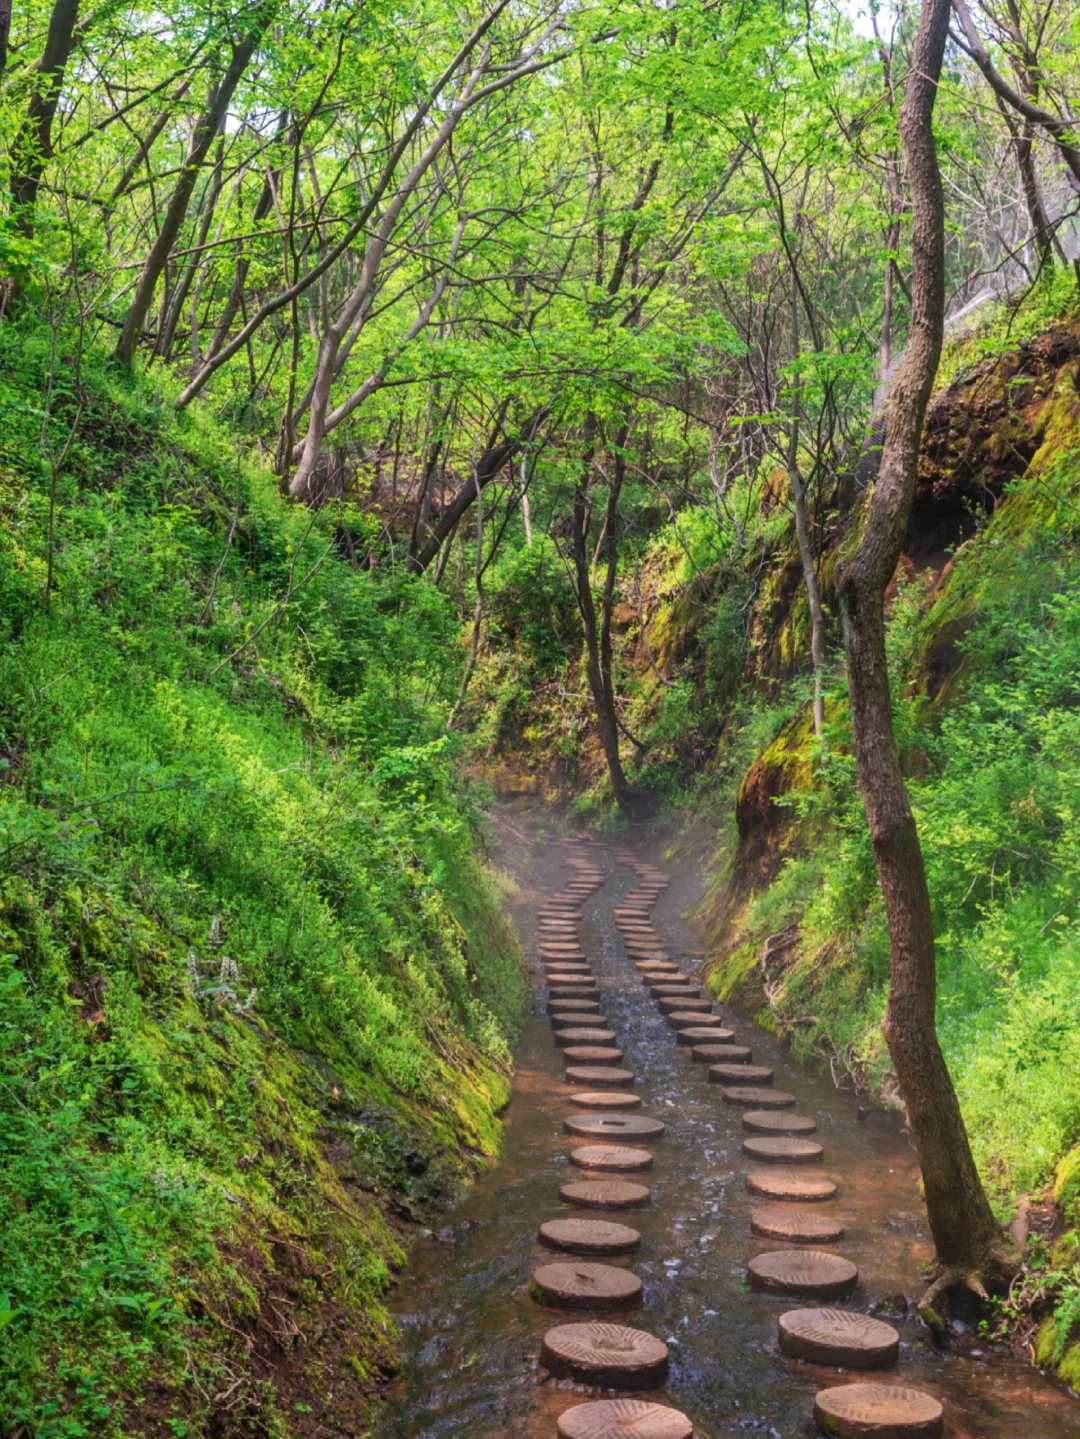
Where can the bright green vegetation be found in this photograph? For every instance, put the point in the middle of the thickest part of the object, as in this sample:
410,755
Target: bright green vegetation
256,995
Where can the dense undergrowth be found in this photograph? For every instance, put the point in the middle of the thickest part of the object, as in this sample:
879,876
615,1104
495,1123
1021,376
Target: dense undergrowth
984,645
256,994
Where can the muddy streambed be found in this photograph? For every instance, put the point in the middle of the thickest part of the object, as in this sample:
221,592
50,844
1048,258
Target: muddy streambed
472,1332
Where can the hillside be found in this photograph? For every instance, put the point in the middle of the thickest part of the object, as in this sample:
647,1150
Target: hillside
258,995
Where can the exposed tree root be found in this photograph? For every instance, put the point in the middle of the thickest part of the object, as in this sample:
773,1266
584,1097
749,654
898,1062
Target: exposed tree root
992,1276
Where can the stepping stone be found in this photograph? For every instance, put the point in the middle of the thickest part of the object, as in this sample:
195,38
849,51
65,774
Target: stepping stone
574,988
751,1073
605,1194
576,1019
656,966
566,1037
567,966
687,989
805,1188
610,1355
765,1121
589,1236
692,1018
611,1158
591,1054
606,1099
666,976
600,1076
645,951
614,1126
814,1272
710,1053
586,1286
557,976
568,910
795,1224
556,953
767,1098
836,1336
669,1003
885,1411
784,1151
573,1006
623,1419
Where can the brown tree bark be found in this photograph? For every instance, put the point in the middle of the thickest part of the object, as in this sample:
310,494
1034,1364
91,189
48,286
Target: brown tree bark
210,122
5,32
33,143
970,1246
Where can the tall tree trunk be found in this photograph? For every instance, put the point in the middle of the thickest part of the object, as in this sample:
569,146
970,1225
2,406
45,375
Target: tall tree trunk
970,1245
802,532
210,122
597,636
33,143
5,32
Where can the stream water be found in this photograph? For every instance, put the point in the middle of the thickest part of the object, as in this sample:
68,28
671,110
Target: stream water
472,1331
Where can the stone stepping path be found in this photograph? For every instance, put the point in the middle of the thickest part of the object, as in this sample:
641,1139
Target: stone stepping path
885,1411
838,1337
589,1236
598,1287
813,1272
610,1355
605,1194
623,1419
795,1224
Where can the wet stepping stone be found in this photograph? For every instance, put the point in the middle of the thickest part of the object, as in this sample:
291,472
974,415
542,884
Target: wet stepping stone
669,1003
669,976
766,1098
611,1158
705,1053
614,1126
765,1121
656,966
692,1018
884,1411
645,951
599,1075
814,1272
591,1054
795,1223
558,952
573,1006
560,909
589,1236
578,1035
605,1099
733,1073
605,1194
571,988
623,1419
586,1286
673,988
805,1188
563,971
784,1151
836,1336
575,1017
610,1355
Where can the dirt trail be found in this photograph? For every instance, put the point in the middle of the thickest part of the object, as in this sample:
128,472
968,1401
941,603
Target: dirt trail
473,1329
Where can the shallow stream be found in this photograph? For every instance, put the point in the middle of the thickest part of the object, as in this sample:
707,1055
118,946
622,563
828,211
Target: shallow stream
472,1331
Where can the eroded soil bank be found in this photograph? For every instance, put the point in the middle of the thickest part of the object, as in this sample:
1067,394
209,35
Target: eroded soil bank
472,1332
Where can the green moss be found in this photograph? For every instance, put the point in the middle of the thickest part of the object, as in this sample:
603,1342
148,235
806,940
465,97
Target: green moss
1067,1183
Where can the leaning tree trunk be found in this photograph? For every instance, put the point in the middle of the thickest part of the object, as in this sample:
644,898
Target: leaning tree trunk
33,143
970,1245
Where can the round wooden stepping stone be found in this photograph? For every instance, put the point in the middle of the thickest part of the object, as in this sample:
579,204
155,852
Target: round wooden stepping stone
560,912
610,1355
605,1194
656,966
571,952
836,1336
669,1003
746,1094
623,1419
606,1099
766,1121
573,1006
611,1158
675,986
814,1272
558,977
567,966
693,1019
795,1224
588,989
667,977
600,1076
704,1053
806,1188
591,1054
560,1023
586,1286
573,984
589,1236
733,1073
564,1038
884,1411
614,1126
784,1151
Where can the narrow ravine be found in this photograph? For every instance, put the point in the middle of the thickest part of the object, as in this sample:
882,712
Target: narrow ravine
471,1309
